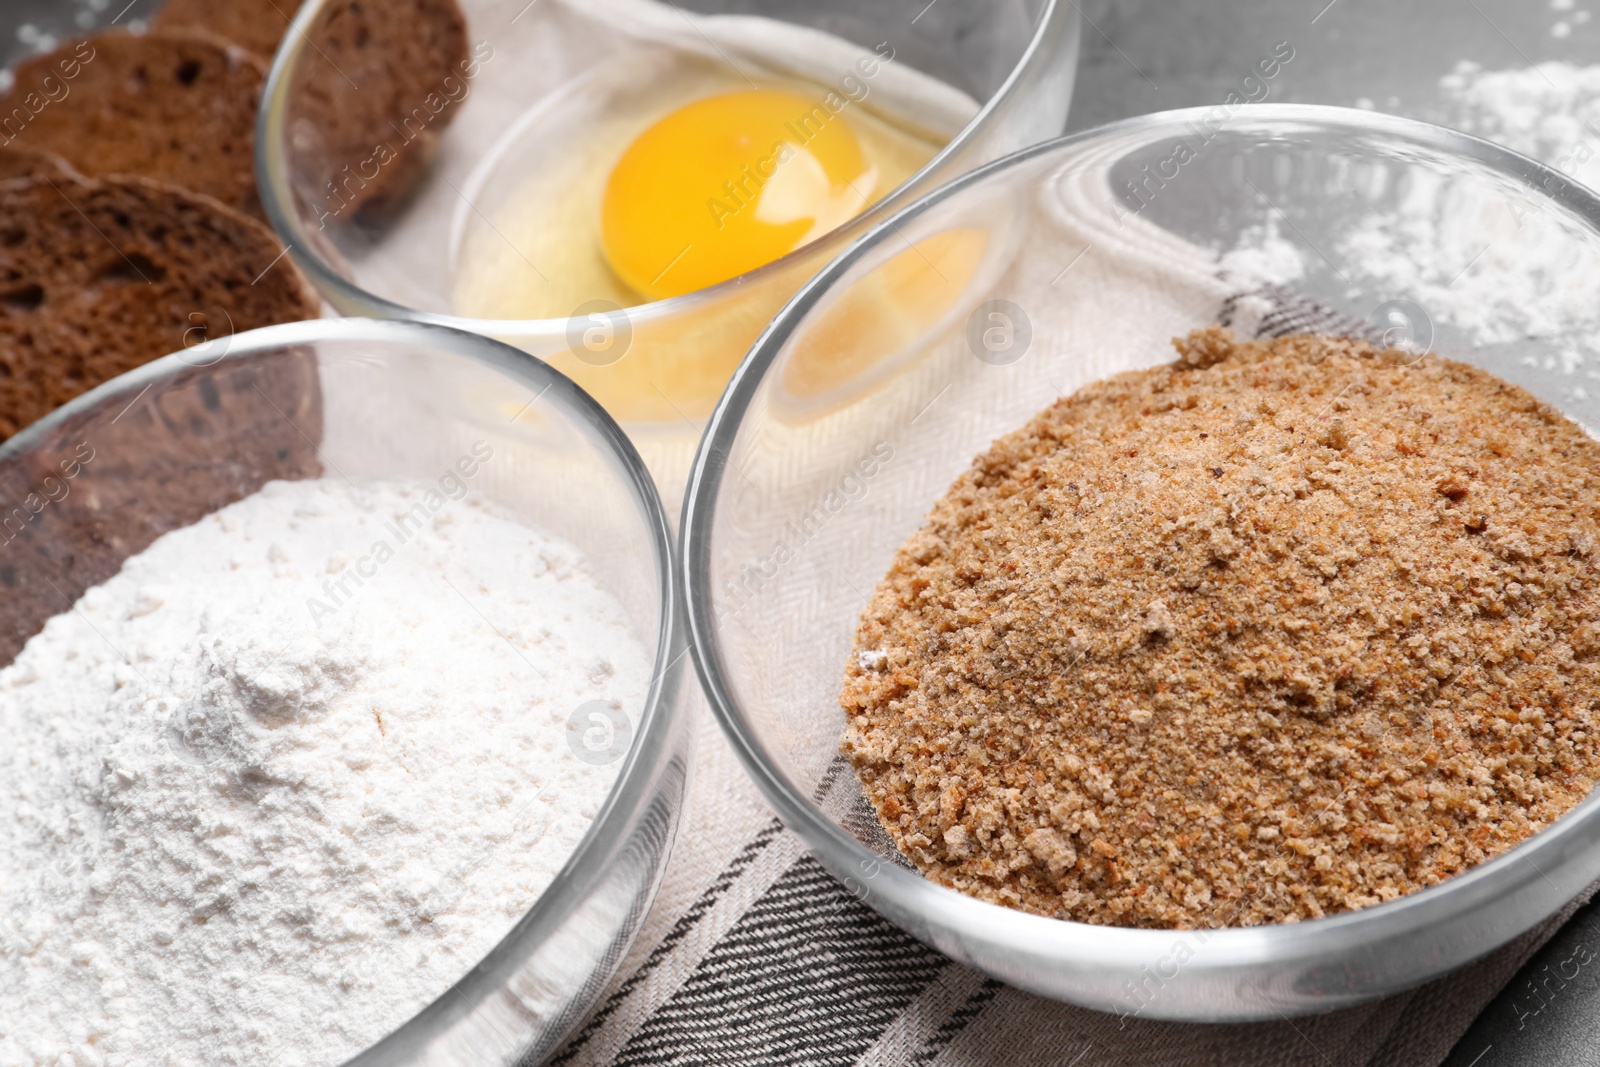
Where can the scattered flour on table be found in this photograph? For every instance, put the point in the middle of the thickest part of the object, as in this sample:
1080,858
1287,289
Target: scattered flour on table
235,836
1515,273
1499,267
1572,16
1550,112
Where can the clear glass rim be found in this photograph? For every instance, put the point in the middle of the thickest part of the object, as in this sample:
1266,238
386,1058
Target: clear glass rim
1231,949
614,823
277,198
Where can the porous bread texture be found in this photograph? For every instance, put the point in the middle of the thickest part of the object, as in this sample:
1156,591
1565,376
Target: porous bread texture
99,276
178,106
1282,629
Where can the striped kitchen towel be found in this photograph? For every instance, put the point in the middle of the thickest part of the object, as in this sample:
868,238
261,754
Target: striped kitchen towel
755,957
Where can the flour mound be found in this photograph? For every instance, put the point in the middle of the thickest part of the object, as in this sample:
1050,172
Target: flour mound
254,816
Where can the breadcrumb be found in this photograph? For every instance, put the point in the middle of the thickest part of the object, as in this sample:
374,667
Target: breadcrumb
1279,630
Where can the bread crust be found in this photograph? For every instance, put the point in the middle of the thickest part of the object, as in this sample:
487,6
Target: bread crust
18,162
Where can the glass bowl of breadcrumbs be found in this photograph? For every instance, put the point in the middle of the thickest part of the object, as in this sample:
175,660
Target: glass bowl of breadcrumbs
1162,569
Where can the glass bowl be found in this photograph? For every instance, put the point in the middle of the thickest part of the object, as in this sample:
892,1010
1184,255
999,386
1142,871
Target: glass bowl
192,432
657,367
1099,247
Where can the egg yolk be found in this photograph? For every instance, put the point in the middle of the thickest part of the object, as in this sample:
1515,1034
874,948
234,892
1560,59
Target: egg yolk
726,184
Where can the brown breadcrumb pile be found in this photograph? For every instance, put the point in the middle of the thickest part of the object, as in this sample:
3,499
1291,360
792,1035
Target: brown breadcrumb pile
1281,629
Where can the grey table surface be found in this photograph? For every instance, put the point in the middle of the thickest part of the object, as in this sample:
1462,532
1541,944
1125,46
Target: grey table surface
1150,55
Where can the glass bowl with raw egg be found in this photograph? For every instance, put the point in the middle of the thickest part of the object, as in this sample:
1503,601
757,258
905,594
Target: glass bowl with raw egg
630,189
936,617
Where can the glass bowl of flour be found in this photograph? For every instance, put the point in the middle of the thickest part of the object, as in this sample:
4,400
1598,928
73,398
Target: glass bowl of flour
342,703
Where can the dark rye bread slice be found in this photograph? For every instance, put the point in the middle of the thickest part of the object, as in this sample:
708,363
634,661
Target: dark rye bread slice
256,25
179,107
369,107
18,162
100,276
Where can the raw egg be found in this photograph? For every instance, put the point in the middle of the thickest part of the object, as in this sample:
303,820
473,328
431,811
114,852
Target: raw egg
727,184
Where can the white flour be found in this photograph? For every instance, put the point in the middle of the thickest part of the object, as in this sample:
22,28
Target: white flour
1264,255
233,836
1550,112
1496,264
